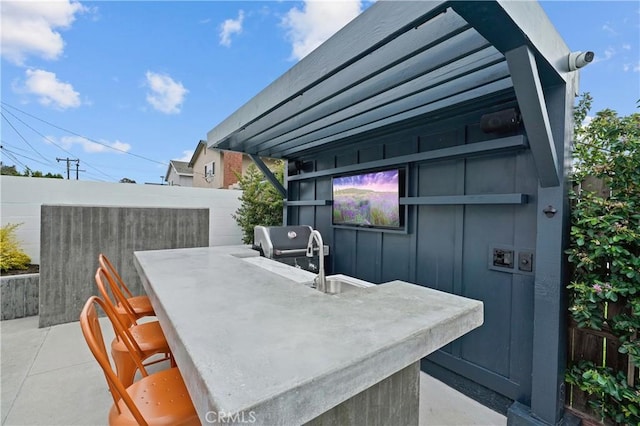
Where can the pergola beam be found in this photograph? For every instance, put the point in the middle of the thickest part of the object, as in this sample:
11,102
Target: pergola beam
366,34
526,83
269,175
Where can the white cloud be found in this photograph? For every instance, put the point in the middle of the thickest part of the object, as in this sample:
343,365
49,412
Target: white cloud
67,142
316,22
626,46
186,156
29,28
606,27
165,95
230,27
636,68
49,90
609,53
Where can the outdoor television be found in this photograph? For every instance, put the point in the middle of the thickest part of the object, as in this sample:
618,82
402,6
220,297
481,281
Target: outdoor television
370,200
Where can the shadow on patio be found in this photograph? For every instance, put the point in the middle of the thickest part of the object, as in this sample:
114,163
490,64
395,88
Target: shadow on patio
50,378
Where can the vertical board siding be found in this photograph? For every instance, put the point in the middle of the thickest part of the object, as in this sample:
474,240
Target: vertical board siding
447,247
74,236
368,256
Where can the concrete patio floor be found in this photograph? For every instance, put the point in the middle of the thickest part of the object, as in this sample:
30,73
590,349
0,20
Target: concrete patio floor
49,377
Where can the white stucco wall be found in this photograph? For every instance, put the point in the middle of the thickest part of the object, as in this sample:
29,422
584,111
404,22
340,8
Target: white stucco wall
21,198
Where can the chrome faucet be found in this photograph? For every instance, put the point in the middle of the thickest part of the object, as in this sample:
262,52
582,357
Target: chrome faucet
320,281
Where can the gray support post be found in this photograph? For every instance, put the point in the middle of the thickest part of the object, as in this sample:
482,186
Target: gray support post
526,83
269,175
550,310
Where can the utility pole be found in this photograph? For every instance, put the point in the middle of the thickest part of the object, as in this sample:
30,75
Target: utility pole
69,160
78,168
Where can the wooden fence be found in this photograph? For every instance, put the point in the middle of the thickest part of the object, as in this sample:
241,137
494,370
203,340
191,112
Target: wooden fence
597,346
601,348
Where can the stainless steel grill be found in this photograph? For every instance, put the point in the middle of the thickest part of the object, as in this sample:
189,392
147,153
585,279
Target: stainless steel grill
286,244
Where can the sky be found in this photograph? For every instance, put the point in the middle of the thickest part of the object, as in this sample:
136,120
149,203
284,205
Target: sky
386,181
124,87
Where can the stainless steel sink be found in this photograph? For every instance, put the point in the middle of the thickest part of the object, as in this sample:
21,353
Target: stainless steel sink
341,284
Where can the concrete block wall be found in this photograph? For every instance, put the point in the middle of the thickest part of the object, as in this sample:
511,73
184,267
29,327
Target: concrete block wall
22,197
73,236
18,296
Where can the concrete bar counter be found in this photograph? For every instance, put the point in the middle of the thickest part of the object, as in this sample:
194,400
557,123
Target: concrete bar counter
256,344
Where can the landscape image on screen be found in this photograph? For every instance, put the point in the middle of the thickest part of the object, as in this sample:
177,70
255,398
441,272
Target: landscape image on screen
369,199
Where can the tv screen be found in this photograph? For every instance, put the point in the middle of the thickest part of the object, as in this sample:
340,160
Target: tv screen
368,199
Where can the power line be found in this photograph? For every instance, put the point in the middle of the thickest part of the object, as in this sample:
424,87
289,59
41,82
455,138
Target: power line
54,143
16,160
12,146
82,136
22,137
8,151
13,155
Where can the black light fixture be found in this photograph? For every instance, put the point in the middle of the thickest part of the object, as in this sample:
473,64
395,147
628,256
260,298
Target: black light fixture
504,121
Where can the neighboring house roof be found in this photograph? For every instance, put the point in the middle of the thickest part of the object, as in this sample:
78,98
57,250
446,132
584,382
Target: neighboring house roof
181,168
201,145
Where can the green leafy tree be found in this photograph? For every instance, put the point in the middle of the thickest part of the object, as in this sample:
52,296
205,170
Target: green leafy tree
11,171
604,252
261,203
11,254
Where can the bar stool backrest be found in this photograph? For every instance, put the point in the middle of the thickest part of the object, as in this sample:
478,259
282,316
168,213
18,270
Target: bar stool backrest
92,332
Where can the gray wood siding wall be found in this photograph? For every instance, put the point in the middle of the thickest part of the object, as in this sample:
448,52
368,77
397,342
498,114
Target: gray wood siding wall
446,247
72,237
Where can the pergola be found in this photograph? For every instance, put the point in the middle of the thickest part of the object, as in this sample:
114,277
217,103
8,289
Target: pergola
402,62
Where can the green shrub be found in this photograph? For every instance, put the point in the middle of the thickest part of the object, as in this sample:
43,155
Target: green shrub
261,203
604,253
11,255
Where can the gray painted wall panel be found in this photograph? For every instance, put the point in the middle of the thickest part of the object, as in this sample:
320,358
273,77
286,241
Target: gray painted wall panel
436,247
306,215
307,190
346,158
438,140
324,162
400,145
396,258
368,256
447,246
371,153
73,236
323,188
489,345
343,251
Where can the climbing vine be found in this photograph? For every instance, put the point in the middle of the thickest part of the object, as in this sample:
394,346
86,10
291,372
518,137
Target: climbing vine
604,253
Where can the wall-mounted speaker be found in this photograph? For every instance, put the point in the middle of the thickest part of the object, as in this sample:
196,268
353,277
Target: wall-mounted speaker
294,167
505,121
